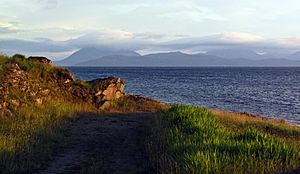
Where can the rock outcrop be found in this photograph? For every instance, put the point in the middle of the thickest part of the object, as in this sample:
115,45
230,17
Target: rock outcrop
35,80
106,90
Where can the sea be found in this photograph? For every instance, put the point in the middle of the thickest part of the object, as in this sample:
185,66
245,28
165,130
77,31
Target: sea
267,91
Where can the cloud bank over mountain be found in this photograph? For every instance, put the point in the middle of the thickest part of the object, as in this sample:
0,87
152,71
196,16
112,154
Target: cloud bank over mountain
147,43
57,28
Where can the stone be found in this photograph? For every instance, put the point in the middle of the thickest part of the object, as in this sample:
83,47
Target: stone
6,113
119,94
40,59
67,81
39,101
105,105
99,93
45,92
108,89
15,102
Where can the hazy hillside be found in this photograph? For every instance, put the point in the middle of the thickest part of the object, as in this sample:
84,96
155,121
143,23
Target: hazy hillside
91,53
181,59
160,59
237,54
105,56
295,56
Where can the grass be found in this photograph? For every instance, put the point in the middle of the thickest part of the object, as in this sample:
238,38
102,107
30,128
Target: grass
29,139
130,103
31,66
189,139
241,121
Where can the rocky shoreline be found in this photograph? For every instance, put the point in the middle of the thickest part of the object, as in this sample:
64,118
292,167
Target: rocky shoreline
21,85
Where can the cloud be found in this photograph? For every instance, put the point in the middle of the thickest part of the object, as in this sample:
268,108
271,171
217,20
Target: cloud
290,42
100,38
33,46
48,4
241,37
8,28
148,43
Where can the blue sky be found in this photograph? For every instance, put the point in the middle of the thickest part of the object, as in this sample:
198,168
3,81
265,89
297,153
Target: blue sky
66,25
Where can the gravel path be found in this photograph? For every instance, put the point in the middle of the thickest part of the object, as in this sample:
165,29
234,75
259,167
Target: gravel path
111,143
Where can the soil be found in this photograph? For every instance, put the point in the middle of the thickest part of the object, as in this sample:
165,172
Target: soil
110,143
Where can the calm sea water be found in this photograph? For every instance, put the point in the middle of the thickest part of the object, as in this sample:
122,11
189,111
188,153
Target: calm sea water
271,92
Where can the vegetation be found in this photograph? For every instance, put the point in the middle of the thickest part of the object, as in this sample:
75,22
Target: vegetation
189,139
240,122
31,131
32,67
185,139
131,103
3,59
30,138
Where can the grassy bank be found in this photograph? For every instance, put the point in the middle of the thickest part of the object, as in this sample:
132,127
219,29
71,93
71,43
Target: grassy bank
130,103
189,139
29,139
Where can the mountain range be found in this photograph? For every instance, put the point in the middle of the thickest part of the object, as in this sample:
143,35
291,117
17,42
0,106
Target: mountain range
92,56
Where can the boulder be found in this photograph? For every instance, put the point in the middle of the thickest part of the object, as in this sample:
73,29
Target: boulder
107,89
43,60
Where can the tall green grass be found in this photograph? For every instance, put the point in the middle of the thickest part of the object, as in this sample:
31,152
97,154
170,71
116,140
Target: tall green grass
189,139
29,139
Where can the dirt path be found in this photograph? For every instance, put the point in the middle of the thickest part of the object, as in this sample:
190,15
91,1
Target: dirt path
104,144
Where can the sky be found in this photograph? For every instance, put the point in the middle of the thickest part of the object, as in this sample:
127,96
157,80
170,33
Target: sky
57,28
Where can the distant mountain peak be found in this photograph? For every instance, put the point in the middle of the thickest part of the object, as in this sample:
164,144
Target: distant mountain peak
93,53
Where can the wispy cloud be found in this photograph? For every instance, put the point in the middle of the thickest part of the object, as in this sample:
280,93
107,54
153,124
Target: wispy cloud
241,37
8,28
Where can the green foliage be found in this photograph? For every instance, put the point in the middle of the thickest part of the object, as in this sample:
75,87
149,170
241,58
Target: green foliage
193,141
31,136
